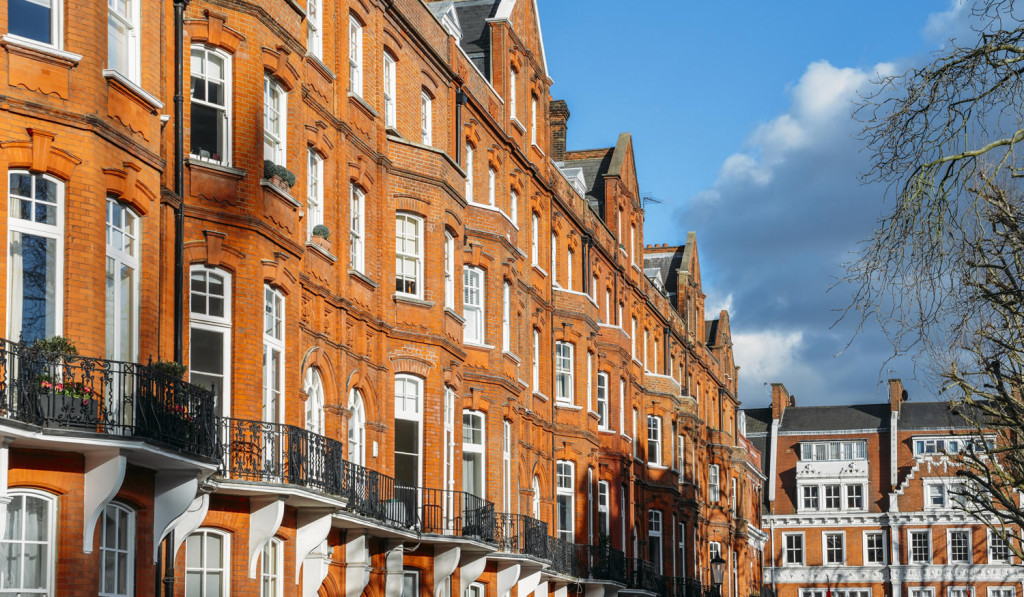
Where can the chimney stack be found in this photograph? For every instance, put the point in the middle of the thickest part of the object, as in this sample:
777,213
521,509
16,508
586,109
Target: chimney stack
780,400
897,395
559,116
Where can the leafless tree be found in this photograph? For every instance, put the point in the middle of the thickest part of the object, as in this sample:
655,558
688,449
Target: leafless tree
944,271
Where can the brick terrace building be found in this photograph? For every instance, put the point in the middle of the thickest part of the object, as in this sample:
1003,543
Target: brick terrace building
862,499
442,362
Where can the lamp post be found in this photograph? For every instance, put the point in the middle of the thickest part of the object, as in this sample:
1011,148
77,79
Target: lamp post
717,573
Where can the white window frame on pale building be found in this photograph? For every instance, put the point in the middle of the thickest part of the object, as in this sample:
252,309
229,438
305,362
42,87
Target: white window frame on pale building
867,540
912,557
833,554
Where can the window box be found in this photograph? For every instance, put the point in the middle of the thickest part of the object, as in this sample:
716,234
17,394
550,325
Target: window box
214,182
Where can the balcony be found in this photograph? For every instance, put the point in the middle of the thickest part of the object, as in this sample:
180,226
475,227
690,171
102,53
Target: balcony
605,563
687,587
70,393
521,534
642,575
261,452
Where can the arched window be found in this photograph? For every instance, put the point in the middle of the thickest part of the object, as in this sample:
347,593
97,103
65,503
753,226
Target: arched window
207,563
26,550
356,428
314,402
210,331
117,551
35,283
122,311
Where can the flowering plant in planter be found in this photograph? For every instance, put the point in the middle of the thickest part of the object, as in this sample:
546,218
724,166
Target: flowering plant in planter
71,389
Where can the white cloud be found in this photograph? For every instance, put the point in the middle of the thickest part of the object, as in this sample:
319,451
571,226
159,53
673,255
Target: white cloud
767,356
713,309
940,26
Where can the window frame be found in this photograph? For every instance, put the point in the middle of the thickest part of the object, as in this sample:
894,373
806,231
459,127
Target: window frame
911,534
826,556
474,283
275,99
224,570
56,28
506,316
214,324
475,453
565,469
565,373
355,56
654,433
787,550
314,192
714,483
128,551
123,258
356,427
314,29
426,118
866,537
968,547
449,270
48,543
132,41
313,385
273,551
655,525
989,558
604,522
602,400
416,259
389,87
226,110
356,228
506,464
53,232
416,416
275,307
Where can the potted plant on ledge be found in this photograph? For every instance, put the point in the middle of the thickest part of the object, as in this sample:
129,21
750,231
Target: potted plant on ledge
60,399
278,175
322,236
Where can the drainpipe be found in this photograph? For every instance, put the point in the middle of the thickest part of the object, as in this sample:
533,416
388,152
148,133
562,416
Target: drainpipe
179,178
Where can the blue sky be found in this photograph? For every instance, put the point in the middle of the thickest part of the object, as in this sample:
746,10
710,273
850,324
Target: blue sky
740,115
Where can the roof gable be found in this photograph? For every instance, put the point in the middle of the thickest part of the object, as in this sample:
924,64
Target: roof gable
524,17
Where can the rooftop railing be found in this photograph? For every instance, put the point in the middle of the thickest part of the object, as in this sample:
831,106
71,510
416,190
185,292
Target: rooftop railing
60,391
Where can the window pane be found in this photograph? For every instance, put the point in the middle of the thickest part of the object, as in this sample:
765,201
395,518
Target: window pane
31,19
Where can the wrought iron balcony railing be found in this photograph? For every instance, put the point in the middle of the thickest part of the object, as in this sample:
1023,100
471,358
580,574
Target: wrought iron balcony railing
604,563
643,575
521,534
686,587
71,392
275,453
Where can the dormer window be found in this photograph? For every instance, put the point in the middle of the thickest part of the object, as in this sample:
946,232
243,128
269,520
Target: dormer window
823,451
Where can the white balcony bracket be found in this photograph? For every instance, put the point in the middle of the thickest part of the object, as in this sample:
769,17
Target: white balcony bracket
393,559
192,519
508,576
541,589
104,473
313,527
445,563
562,591
594,590
357,564
173,494
528,582
265,515
471,566
5,465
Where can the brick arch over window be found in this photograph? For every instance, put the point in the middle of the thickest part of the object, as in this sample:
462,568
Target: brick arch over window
452,223
124,184
319,359
417,206
277,275
359,379
318,139
39,155
276,62
214,252
411,365
359,173
213,31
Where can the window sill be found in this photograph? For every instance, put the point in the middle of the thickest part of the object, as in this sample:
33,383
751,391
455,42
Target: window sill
319,64
322,250
540,270
567,406
511,357
392,132
540,396
283,194
606,431
448,311
656,466
358,275
592,413
412,300
478,345
133,88
45,51
636,267
358,99
537,147
196,161
626,437
519,126
494,208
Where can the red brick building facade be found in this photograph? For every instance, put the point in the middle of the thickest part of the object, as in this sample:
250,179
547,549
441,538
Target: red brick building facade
427,349
862,501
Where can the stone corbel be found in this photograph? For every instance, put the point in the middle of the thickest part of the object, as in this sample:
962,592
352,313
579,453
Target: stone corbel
357,564
471,566
104,473
173,494
313,525
191,520
445,563
507,577
264,519
528,582
562,591
393,560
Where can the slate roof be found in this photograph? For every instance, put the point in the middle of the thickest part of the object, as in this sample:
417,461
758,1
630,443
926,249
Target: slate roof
593,170
476,35
668,263
759,420
825,418
925,415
